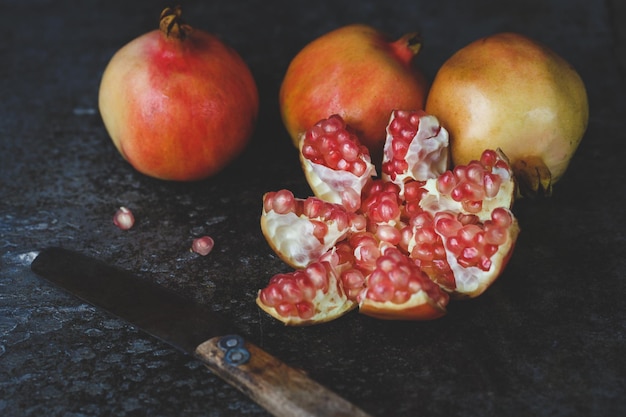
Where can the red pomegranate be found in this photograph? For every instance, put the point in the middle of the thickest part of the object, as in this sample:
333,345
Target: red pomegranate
178,103
358,73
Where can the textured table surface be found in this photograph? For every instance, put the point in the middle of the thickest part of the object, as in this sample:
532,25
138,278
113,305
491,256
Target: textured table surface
547,339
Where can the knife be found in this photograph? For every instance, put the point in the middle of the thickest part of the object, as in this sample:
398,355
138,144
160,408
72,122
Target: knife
194,329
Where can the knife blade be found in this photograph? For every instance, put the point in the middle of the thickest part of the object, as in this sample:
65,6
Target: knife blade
194,329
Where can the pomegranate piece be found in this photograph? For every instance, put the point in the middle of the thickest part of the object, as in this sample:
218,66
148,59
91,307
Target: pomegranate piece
307,296
398,289
335,163
302,230
416,147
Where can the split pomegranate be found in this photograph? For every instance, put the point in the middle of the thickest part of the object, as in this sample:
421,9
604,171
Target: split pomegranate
178,103
510,92
418,236
358,73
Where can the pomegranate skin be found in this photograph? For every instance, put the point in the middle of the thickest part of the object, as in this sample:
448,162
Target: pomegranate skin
508,91
178,109
358,73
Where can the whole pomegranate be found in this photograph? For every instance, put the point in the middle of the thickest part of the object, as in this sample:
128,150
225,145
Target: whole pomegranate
358,73
178,103
510,92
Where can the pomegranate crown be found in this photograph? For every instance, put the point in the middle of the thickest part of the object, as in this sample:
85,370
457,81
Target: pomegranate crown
171,23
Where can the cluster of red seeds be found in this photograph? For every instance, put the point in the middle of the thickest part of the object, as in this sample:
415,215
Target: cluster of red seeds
470,184
331,144
396,278
319,212
291,294
403,128
473,244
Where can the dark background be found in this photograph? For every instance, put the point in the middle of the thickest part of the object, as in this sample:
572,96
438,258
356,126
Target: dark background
547,339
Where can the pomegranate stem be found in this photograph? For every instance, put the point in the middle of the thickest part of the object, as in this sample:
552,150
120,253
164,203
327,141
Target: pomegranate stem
171,23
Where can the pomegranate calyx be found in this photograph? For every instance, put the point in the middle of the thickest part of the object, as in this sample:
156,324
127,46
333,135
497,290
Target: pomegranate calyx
533,176
172,25
408,46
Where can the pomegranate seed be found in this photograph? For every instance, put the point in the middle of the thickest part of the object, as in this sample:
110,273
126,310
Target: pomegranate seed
388,234
472,206
353,283
305,309
318,275
489,158
491,184
501,217
124,218
283,202
291,291
203,245
446,182
286,309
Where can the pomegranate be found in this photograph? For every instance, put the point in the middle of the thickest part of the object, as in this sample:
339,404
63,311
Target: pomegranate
418,236
358,73
510,92
178,103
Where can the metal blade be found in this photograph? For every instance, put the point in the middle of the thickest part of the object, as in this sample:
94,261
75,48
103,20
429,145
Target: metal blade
152,308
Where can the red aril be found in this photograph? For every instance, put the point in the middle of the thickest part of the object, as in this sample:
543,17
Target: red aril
178,103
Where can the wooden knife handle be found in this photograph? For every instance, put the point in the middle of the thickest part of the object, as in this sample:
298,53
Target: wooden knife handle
274,385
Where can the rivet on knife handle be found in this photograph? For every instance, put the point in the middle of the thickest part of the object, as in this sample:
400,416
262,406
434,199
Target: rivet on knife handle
279,388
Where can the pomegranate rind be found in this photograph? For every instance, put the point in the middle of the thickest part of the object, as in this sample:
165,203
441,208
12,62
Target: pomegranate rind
329,305
420,307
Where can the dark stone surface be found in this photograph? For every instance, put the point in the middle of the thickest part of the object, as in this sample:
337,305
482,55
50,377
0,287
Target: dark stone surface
547,339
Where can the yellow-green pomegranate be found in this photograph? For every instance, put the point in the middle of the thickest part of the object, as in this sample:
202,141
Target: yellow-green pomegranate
508,91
